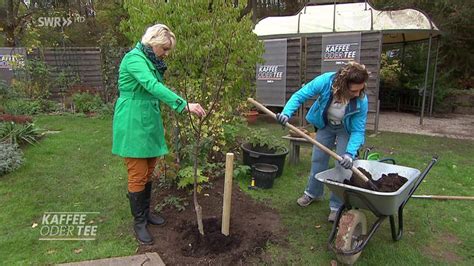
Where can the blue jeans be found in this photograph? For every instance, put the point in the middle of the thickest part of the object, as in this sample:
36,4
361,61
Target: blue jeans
320,161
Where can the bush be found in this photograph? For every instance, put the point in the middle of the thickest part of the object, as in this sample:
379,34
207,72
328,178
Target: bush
106,110
33,80
186,177
48,106
4,90
11,158
390,72
263,139
22,107
86,102
13,133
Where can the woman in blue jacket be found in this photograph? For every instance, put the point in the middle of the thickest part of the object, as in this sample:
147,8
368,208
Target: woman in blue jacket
339,114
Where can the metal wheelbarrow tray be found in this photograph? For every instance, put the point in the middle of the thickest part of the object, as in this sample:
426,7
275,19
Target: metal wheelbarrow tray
378,202
381,204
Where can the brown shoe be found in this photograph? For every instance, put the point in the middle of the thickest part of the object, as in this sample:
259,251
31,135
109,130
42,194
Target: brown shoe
304,200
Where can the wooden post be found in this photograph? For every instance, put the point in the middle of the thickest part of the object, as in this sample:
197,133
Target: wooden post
229,170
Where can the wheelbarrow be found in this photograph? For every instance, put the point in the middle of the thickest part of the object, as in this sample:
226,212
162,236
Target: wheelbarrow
349,234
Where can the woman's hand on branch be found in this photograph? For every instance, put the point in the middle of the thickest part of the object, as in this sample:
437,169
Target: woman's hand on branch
196,109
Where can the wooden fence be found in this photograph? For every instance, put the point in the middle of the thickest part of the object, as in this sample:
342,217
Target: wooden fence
73,62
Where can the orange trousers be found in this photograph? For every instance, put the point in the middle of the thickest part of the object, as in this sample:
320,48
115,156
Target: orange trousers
140,171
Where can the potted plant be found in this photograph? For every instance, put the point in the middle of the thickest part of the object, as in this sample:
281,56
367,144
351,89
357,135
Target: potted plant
248,112
263,147
251,116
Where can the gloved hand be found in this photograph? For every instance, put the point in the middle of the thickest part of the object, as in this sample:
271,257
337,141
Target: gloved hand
346,161
282,119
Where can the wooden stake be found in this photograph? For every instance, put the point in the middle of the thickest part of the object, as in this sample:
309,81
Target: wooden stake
229,170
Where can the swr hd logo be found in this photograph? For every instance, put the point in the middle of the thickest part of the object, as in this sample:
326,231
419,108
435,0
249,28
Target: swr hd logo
59,21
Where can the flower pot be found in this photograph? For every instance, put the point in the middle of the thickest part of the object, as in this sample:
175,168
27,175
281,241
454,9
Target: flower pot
251,116
264,174
251,156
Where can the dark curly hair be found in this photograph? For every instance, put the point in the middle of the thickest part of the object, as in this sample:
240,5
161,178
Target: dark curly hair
352,73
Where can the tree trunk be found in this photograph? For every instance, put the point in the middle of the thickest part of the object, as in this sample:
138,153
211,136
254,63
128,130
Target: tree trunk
197,207
10,36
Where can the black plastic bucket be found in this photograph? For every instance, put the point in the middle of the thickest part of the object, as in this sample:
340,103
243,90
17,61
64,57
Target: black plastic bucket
264,174
251,157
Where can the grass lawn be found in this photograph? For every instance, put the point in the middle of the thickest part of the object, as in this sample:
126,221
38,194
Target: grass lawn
71,171
74,171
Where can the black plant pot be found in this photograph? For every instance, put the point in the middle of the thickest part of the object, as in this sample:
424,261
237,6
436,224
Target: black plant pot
264,174
251,156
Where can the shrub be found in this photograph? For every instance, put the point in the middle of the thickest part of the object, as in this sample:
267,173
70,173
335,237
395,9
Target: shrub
34,80
22,107
172,201
11,158
4,90
186,177
241,171
106,110
48,106
232,135
86,102
390,72
65,80
13,133
262,139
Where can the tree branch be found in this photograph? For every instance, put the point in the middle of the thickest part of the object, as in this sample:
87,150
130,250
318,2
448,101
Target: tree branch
244,12
217,95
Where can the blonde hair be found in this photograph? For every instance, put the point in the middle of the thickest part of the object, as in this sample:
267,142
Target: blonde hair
352,73
159,35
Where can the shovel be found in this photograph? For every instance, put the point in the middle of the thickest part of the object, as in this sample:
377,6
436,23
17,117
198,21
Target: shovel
334,155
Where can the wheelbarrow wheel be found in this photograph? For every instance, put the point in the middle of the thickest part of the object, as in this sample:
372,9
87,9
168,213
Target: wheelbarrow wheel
352,225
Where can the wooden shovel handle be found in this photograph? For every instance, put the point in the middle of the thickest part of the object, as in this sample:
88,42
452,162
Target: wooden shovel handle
308,138
441,197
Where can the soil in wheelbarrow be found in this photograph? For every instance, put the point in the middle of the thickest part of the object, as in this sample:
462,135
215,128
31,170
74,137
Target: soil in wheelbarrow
252,226
386,183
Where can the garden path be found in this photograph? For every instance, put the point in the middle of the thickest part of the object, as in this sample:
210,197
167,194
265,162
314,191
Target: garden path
456,126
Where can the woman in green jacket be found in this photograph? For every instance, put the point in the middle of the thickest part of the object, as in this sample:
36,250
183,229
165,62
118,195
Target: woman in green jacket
138,134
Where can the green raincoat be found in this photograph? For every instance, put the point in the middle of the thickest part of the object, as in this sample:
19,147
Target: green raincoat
138,128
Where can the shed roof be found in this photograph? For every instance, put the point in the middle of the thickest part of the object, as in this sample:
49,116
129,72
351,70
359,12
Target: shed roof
404,25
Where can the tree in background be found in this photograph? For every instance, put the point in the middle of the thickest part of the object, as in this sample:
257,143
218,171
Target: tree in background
454,18
213,64
14,16
22,22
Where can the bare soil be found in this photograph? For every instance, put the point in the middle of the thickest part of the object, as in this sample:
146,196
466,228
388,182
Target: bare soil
252,226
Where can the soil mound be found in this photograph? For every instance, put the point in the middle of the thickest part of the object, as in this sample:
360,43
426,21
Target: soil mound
252,226
386,183
213,241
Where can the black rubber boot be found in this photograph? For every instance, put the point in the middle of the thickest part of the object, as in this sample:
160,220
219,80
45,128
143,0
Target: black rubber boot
151,218
137,205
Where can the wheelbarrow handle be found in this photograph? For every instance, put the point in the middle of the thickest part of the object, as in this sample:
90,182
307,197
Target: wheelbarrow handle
311,140
422,176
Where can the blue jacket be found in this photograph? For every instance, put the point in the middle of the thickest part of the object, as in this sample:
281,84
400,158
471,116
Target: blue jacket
355,116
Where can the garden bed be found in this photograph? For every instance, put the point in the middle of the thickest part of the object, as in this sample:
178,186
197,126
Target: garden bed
253,225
